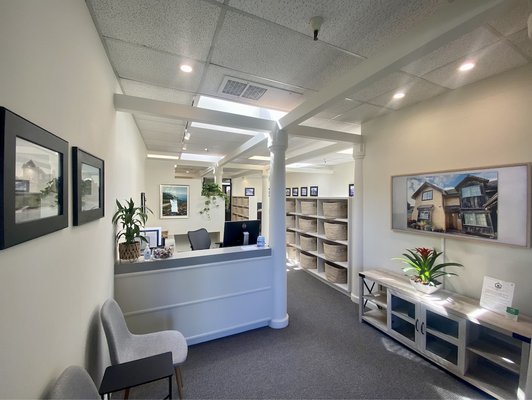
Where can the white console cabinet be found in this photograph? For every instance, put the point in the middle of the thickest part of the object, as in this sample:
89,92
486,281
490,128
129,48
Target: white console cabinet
482,347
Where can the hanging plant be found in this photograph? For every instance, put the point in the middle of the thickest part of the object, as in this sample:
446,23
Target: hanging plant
212,192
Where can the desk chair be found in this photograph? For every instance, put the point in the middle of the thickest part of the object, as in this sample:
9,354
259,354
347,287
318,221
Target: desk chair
74,383
199,239
125,346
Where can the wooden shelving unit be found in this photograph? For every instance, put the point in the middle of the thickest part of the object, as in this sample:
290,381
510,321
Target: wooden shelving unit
243,208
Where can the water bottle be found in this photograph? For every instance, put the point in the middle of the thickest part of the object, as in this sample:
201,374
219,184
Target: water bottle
147,253
261,241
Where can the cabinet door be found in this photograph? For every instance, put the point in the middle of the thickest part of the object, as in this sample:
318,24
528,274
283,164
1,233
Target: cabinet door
442,338
403,320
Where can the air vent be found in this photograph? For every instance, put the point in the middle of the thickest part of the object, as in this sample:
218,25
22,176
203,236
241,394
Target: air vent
240,88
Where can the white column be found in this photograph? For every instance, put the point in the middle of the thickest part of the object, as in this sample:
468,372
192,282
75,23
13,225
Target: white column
356,223
218,171
277,144
265,225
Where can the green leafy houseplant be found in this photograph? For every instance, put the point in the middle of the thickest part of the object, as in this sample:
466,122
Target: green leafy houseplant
132,219
422,262
211,191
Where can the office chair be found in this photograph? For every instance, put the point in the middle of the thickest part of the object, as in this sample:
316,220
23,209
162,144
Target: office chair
125,346
199,239
74,383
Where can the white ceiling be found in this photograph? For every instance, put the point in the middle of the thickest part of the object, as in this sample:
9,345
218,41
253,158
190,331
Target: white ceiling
269,43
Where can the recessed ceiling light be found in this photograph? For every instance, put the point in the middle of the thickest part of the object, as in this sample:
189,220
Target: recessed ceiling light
187,135
184,147
185,68
206,149
260,158
187,171
466,66
398,95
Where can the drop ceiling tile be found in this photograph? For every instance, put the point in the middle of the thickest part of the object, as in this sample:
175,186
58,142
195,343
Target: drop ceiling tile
338,108
489,61
452,51
522,42
139,89
153,67
415,91
273,52
513,20
171,138
333,125
384,85
184,27
158,125
363,113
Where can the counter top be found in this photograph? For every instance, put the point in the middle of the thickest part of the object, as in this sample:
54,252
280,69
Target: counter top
191,258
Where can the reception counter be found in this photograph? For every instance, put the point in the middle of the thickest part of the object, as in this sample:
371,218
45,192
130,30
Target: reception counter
205,294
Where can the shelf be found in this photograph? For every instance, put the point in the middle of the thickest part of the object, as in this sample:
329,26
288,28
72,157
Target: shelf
378,298
403,327
498,352
496,381
376,318
442,348
443,336
343,287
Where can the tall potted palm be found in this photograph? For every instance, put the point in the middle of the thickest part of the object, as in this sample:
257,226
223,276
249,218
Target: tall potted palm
132,219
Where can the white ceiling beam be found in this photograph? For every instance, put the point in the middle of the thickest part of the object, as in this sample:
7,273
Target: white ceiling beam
322,134
311,154
163,109
245,173
451,21
257,141
254,167
310,170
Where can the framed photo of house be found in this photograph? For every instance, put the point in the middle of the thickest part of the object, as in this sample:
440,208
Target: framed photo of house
174,201
304,191
249,191
34,180
491,204
295,192
88,186
314,191
287,192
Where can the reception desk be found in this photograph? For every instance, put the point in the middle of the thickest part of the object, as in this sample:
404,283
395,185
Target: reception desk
205,294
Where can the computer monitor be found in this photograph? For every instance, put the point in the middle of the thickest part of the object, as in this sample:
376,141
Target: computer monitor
234,232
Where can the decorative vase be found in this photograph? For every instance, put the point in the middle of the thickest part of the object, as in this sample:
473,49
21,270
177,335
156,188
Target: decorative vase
129,251
428,289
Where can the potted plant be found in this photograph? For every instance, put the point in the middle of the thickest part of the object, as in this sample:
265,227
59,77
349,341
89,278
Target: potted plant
211,191
422,262
132,220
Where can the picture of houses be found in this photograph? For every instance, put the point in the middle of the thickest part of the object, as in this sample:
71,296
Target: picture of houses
458,203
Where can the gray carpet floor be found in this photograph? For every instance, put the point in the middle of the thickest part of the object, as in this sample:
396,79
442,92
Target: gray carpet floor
324,353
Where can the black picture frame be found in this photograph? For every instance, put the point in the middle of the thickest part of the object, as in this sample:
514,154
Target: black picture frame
304,191
314,191
287,192
249,191
351,190
295,192
88,192
23,214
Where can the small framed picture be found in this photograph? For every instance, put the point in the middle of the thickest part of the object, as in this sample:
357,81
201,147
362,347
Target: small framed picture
314,191
295,192
351,189
287,192
249,192
304,191
88,189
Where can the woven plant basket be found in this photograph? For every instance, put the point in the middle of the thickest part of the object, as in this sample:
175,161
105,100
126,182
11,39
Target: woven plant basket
308,243
307,224
290,237
308,207
335,252
335,209
291,253
335,231
308,262
335,274
290,221
129,251
290,206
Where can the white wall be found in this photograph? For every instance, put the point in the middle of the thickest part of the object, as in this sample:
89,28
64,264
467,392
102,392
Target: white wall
486,124
55,73
253,181
329,185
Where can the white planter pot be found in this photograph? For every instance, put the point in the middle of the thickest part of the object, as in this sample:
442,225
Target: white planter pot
428,289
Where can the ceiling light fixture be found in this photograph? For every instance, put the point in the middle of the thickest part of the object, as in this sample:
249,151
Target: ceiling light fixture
206,149
163,156
185,68
315,23
260,158
184,147
398,95
187,135
466,66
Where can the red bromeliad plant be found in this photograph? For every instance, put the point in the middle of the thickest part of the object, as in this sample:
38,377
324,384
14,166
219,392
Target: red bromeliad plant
423,262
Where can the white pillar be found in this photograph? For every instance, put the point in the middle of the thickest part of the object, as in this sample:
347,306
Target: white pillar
356,223
277,144
265,224
218,171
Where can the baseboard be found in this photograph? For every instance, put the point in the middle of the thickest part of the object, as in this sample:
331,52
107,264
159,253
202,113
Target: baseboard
233,330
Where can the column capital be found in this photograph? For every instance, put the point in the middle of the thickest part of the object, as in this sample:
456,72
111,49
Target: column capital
359,151
277,140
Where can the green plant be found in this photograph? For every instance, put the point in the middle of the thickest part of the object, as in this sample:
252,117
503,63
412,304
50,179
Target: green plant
423,262
132,219
211,191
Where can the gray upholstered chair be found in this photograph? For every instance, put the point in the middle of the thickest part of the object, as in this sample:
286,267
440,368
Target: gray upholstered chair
125,346
199,239
74,383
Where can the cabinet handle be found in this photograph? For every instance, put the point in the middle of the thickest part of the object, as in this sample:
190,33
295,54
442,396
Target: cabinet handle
417,330
422,324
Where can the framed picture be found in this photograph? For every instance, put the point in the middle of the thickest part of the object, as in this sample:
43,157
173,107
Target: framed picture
153,236
491,204
249,192
295,192
314,191
34,181
351,190
174,201
88,186
304,191
287,193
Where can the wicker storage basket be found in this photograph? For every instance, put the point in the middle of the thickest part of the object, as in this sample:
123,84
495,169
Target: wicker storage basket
290,221
307,261
308,207
335,252
307,224
335,209
291,252
308,243
290,206
335,274
290,237
335,230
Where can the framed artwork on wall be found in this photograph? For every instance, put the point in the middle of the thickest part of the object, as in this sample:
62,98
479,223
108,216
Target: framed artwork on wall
249,192
34,180
304,191
88,186
174,201
295,192
351,189
287,192
490,204
314,191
